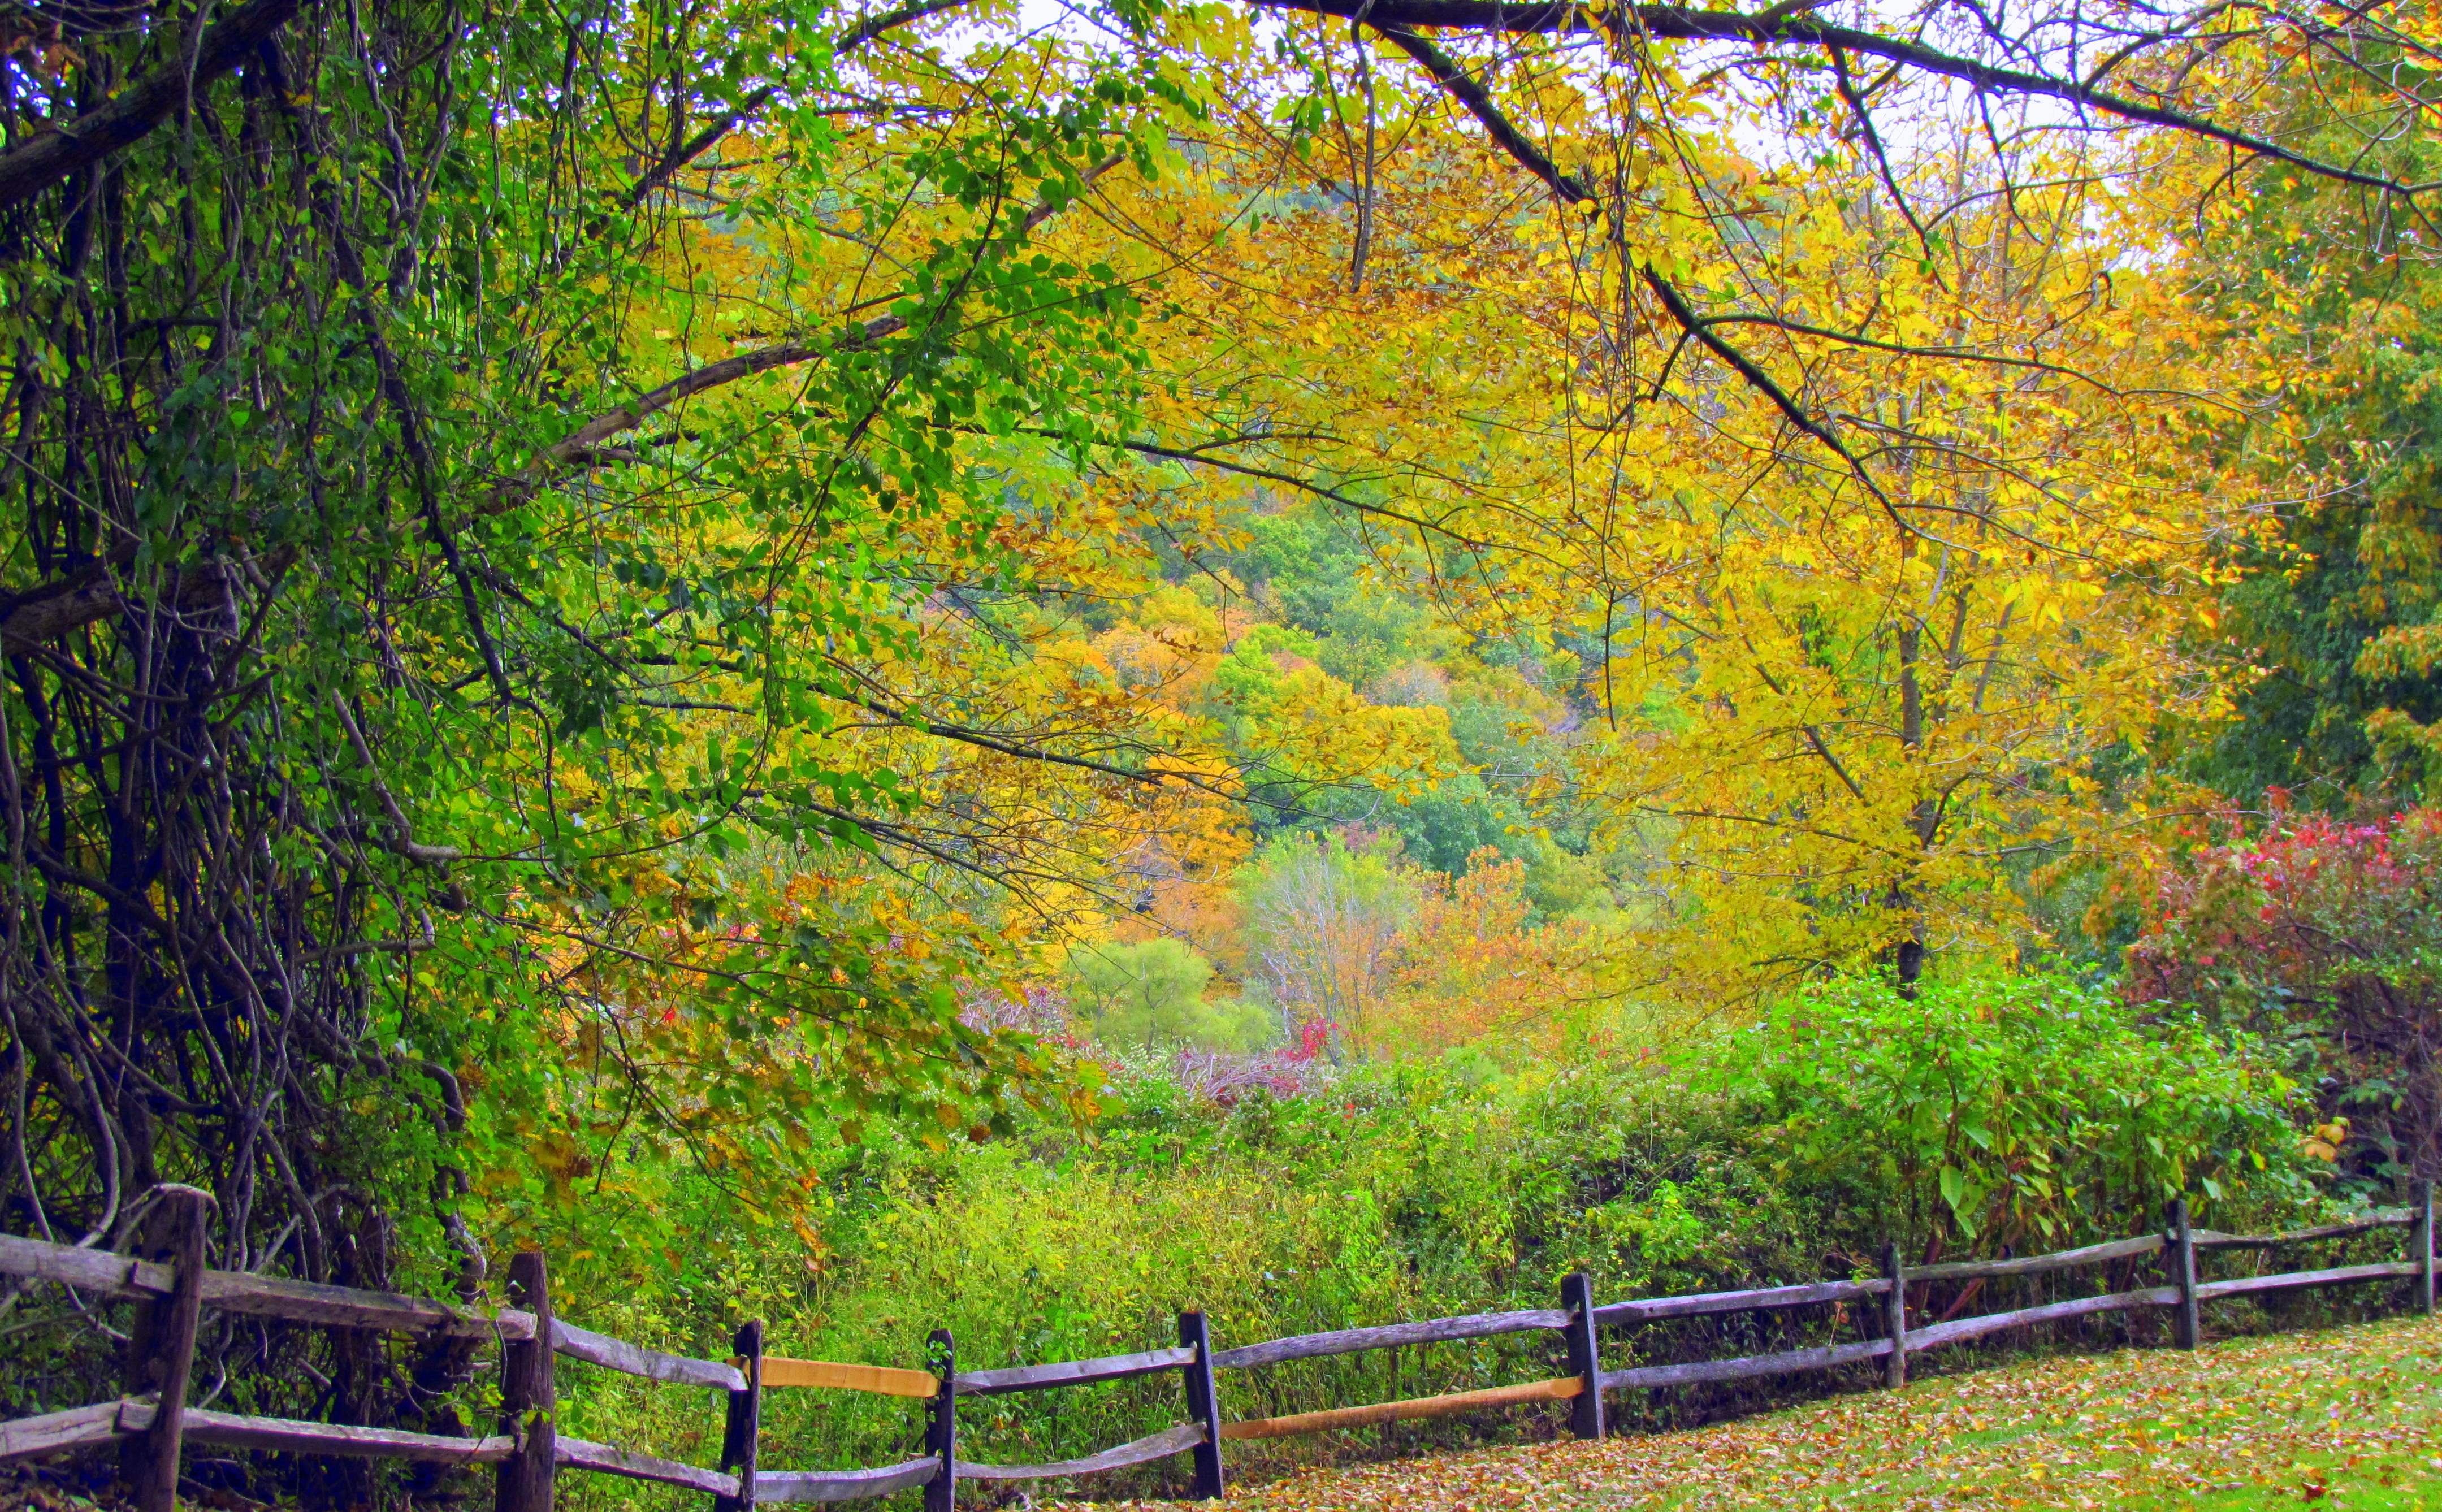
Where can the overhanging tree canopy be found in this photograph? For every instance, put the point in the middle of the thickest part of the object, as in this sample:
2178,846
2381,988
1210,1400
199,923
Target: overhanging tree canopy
499,489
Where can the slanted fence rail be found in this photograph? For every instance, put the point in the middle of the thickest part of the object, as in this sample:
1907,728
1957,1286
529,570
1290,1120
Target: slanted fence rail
171,1285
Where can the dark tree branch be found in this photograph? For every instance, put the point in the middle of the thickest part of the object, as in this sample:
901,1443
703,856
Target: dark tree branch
1460,86
587,440
51,612
874,26
1763,383
1778,28
1202,456
35,165
1463,87
1900,349
918,722
1865,118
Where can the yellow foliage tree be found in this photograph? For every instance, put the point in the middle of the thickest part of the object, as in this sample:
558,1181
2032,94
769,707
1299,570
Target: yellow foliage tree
1875,501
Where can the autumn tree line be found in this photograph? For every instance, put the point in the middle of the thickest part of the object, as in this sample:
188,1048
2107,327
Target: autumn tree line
607,599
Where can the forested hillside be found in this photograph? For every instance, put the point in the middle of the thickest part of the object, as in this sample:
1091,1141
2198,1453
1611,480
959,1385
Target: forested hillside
1021,665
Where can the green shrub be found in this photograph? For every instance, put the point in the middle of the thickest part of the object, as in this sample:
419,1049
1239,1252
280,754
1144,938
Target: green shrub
2028,1112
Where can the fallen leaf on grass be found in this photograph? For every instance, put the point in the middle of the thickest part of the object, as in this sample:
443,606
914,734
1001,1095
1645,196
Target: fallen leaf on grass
2347,1411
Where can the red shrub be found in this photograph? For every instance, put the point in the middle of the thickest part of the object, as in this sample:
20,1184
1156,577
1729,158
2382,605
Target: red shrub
2326,933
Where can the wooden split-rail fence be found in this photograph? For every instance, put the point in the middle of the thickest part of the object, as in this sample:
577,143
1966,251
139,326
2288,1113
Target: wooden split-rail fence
171,1285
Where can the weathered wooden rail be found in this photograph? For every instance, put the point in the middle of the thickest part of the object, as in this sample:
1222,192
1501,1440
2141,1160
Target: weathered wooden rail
171,1285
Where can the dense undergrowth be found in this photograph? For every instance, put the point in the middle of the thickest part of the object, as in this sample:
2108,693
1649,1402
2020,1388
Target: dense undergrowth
1785,1152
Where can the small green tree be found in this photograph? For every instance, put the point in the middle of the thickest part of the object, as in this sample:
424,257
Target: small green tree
1149,994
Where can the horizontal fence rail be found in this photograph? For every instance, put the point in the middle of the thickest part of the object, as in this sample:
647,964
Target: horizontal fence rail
1353,1340
879,1379
1159,1446
168,1280
2209,1239
108,1422
635,1466
2340,1277
1937,1335
842,1485
1071,1372
1698,1373
1445,1405
237,1291
2041,1265
1650,1309
634,1360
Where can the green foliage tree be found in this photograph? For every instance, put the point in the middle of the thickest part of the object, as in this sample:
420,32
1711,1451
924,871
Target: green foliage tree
460,597
1151,995
2333,617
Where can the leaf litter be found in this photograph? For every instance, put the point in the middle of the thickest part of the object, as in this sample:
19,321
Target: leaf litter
2347,1418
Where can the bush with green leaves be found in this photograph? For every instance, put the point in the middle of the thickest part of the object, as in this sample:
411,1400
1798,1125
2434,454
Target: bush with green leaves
2030,1112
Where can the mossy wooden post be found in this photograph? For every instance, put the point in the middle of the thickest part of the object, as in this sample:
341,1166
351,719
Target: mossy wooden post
1585,1355
941,1433
2420,1242
1203,1405
528,1395
1895,1317
161,1346
2180,1255
745,1423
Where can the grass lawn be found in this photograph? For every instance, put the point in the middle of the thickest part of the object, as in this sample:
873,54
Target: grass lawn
2350,1418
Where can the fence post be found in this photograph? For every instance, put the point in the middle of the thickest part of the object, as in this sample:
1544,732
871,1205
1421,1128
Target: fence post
529,1397
1203,1405
161,1346
1895,1317
2179,1253
745,1423
941,1434
2421,1240
1585,1355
